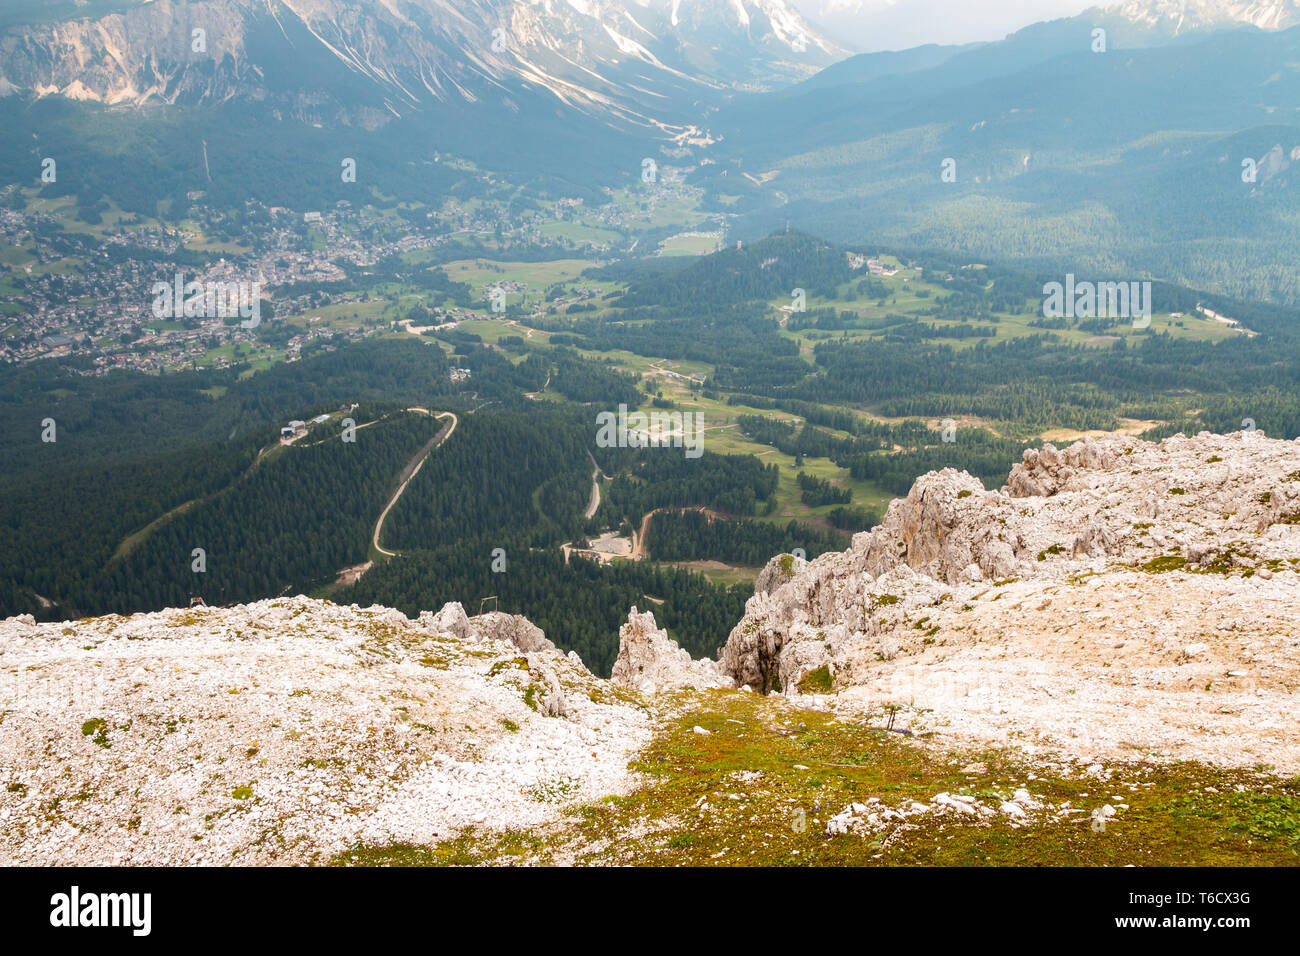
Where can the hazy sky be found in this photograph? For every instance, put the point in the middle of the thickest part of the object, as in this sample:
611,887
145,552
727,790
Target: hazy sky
898,24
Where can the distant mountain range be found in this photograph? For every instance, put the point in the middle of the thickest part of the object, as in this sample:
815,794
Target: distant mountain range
1128,161
901,24
659,66
652,64
1184,15
1177,159
646,63
552,88
873,25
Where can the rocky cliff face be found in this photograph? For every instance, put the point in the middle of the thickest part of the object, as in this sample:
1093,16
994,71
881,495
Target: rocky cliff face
1115,593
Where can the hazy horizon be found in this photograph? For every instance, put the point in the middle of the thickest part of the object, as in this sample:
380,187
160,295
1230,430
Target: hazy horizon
876,25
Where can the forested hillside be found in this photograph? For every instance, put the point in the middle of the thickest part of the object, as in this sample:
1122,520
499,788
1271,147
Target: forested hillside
811,415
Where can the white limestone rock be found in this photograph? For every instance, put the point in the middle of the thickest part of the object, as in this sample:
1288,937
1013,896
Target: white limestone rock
1060,606
513,628
324,726
650,661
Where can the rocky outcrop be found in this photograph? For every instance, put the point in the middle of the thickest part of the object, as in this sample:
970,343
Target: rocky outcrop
1102,560
1045,471
494,626
549,693
452,619
515,628
946,524
777,572
649,661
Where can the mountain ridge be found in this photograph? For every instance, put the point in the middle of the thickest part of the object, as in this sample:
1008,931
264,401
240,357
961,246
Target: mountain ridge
593,57
1199,14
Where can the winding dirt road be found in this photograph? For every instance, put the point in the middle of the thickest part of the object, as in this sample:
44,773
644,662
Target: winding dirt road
638,537
410,471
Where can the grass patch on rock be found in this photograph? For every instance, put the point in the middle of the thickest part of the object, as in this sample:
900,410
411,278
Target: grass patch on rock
760,787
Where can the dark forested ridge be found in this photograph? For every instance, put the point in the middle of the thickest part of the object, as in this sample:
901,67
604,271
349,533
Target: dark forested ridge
123,538
734,484
948,357
123,415
113,523
508,479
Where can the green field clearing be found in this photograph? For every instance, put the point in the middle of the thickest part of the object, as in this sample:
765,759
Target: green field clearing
724,437
480,273
716,571
686,245
493,331
351,315
578,232
903,299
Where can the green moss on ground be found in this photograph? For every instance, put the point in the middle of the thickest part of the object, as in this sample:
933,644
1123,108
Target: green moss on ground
817,681
761,786
97,730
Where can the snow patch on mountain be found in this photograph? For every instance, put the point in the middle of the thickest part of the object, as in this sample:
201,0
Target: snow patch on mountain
1185,15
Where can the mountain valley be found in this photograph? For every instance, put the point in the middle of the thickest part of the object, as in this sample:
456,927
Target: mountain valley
667,433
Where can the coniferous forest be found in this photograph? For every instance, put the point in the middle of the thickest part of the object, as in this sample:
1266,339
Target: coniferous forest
158,489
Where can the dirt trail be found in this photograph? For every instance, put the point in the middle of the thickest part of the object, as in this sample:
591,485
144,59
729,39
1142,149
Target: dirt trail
129,543
595,489
638,537
410,471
